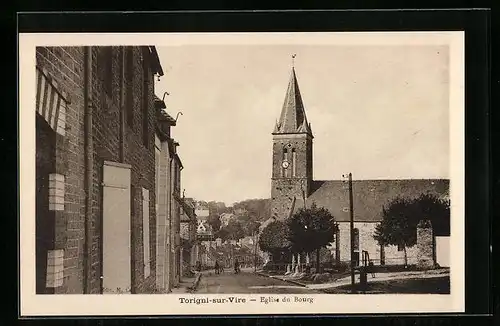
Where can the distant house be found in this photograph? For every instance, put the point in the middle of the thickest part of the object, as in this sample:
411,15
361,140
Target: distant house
225,218
248,242
188,234
201,210
239,211
204,231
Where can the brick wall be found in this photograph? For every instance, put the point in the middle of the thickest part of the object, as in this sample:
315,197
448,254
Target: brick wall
107,146
66,65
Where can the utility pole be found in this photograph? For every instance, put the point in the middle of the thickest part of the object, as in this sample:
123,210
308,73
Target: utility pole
351,212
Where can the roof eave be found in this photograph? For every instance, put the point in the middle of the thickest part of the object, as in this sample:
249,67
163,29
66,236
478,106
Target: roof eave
156,65
292,133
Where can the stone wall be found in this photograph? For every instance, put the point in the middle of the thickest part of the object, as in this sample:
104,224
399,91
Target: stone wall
425,244
393,256
283,189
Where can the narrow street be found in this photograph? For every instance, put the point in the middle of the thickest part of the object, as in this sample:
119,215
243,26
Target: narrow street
246,282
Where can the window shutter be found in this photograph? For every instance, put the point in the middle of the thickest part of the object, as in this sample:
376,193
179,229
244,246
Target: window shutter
145,232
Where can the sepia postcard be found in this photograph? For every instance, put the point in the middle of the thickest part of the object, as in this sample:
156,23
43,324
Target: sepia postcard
241,173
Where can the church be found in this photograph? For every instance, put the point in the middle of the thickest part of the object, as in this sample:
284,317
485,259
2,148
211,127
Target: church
292,182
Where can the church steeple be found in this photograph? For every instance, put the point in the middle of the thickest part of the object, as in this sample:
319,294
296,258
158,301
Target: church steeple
292,164
293,116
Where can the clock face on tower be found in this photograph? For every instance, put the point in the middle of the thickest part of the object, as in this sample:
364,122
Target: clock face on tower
285,164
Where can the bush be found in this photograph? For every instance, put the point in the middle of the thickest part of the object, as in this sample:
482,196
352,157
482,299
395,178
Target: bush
322,278
274,267
341,267
273,238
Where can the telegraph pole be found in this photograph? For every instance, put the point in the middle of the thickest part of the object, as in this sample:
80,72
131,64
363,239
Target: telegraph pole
351,219
351,213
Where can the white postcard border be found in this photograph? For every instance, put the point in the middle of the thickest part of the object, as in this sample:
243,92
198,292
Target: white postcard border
155,304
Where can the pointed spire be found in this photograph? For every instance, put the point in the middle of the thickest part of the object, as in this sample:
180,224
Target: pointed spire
293,116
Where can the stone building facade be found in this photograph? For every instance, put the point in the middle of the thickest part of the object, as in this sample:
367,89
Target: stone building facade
292,183
189,241
95,123
176,249
164,157
170,203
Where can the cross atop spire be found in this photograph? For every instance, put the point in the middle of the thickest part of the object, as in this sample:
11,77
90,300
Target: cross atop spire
293,59
293,118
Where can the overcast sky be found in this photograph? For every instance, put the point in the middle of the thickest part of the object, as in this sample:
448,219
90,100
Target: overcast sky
376,111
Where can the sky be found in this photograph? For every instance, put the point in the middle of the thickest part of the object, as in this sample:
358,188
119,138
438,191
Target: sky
377,111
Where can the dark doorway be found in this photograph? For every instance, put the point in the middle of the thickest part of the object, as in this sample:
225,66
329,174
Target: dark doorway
356,258
382,255
44,219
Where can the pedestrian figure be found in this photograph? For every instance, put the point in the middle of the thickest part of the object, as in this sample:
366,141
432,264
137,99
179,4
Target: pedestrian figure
217,267
371,268
198,266
236,266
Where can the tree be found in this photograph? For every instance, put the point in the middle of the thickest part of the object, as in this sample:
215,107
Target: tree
274,239
214,222
436,210
216,208
401,216
223,234
311,229
234,230
251,227
257,209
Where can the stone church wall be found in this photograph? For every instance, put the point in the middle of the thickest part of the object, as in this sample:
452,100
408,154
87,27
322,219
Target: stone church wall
368,243
284,189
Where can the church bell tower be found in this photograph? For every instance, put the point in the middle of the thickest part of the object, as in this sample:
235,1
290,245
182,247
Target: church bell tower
292,154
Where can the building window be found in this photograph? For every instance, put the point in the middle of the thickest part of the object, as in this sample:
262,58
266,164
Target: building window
116,245
285,158
129,85
294,163
145,97
51,102
106,67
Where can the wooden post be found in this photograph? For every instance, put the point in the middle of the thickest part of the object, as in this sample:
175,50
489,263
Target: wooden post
351,212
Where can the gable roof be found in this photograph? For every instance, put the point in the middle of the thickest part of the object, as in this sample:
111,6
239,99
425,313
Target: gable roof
369,196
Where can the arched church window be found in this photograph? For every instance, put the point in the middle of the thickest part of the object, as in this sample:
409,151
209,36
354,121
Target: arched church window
294,163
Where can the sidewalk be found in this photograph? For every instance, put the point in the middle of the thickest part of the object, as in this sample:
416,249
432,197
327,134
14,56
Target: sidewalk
347,280
184,284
